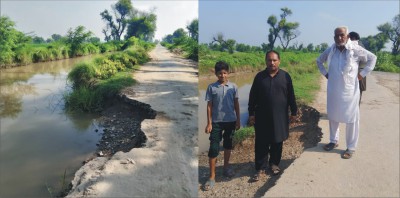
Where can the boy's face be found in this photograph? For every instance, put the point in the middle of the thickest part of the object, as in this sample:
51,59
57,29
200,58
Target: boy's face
222,76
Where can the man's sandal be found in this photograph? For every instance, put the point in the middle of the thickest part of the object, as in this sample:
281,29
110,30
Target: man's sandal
275,169
347,154
256,176
330,146
209,185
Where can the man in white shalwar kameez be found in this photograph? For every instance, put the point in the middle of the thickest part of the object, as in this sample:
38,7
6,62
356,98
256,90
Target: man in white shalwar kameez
343,97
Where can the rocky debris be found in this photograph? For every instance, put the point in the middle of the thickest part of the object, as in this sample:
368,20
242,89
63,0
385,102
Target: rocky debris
121,123
303,134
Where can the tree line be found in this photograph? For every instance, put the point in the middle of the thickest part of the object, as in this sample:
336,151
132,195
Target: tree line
285,32
18,48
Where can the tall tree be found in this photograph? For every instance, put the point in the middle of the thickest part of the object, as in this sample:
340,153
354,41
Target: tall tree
121,9
142,26
10,38
374,43
285,31
392,32
193,29
75,38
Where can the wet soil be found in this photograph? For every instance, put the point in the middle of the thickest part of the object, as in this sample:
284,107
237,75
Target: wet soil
303,134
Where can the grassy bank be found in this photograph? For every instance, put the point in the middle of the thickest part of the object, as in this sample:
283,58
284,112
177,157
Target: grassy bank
100,79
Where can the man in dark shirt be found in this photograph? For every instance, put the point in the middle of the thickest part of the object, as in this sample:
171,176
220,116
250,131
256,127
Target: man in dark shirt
271,95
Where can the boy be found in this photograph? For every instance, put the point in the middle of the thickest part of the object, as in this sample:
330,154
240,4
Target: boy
223,115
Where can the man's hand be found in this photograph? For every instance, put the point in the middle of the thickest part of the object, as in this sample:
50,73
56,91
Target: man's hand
359,76
208,128
252,120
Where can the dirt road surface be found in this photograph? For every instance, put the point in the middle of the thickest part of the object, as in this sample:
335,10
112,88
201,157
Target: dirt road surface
167,165
373,171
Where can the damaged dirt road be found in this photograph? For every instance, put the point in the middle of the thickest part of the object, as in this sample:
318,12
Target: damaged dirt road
167,164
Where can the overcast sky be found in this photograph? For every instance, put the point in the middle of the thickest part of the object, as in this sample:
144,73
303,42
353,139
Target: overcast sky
45,18
246,21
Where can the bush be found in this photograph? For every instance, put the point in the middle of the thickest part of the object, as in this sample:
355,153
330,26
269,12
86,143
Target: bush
82,75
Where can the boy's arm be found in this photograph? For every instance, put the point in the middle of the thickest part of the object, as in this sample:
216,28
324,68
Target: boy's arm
237,111
209,117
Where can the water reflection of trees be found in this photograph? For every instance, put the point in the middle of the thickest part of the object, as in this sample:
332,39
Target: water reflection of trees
11,98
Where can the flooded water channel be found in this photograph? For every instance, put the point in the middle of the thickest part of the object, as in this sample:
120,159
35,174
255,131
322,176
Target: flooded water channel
38,139
243,81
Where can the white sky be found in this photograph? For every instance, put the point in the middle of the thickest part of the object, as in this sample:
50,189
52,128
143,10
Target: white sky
45,18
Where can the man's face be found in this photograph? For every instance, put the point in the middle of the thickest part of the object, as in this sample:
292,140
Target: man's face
222,76
340,36
272,61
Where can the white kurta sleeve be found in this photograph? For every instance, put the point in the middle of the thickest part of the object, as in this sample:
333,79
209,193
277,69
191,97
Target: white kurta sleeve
321,60
370,60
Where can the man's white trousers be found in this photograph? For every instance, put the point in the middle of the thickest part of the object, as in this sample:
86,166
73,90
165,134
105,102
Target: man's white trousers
352,131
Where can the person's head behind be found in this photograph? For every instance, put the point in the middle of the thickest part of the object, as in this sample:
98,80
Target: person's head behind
221,71
354,36
272,59
341,35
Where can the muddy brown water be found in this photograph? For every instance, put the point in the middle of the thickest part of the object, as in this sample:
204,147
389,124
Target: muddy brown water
243,81
39,140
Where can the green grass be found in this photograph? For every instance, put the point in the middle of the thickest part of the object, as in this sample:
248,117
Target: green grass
99,80
242,134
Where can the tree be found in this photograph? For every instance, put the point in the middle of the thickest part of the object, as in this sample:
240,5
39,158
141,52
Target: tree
121,9
310,47
374,43
392,32
75,38
56,37
179,33
10,38
230,45
38,40
285,31
324,46
142,26
193,29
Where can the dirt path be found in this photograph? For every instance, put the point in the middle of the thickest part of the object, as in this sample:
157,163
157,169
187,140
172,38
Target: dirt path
167,164
374,169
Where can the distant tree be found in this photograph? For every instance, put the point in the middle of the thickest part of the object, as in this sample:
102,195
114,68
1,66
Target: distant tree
285,31
310,47
219,42
49,40
95,40
230,45
324,46
374,43
240,47
76,37
168,38
121,11
392,32
264,47
38,40
56,37
179,33
193,29
142,26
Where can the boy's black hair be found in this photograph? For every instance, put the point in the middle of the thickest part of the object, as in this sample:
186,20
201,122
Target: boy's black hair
272,51
221,65
354,35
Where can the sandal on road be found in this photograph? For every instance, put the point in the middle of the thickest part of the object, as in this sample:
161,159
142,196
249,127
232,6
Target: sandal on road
209,185
256,176
347,154
275,169
330,146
